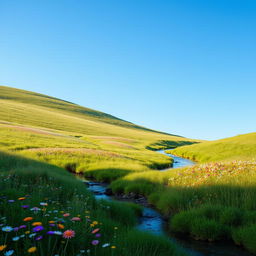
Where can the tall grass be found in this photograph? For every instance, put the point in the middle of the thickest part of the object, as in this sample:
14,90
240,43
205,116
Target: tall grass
211,201
53,197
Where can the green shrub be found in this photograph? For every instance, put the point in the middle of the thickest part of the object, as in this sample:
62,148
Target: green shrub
206,229
246,236
181,222
152,245
209,211
249,217
231,216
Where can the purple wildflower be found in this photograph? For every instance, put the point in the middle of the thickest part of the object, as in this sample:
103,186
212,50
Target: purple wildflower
38,238
38,228
95,242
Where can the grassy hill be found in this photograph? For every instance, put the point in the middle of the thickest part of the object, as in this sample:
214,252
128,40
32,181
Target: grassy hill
27,107
241,147
41,203
40,136
77,138
212,200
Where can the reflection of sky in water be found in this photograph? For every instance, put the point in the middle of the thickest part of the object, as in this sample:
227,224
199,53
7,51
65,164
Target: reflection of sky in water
177,161
151,221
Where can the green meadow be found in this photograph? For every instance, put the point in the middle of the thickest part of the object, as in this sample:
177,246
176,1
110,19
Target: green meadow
44,140
47,211
241,147
212,200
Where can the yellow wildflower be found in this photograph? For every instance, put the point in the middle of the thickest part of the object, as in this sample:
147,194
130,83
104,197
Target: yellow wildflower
32,249
2,247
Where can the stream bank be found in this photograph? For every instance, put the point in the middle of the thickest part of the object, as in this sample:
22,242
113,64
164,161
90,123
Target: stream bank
153,222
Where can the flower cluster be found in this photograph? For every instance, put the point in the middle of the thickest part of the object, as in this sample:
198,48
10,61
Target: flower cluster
43,228
213,173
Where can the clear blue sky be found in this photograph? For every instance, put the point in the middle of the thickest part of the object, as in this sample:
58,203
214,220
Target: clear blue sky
184,67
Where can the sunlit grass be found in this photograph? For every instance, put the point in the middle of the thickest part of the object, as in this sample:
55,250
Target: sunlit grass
211,201
241,147
38,195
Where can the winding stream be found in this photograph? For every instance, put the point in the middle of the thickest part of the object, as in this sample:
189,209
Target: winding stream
153,222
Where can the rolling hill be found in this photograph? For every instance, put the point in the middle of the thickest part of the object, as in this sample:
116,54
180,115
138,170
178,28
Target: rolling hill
77,138
241,147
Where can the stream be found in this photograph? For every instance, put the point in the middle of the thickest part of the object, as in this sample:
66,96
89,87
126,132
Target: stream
153,222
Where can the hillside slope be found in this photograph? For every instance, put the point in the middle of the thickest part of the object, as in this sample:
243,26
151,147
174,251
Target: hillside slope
17,99
77,138
241,147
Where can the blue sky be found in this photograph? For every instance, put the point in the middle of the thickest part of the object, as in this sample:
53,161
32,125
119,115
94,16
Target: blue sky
184,67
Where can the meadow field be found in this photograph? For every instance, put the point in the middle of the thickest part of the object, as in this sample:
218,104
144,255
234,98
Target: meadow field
44,209
47,211
213,200
44,140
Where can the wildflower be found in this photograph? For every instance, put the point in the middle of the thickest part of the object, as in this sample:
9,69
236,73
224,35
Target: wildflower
105,245
69,234
37,224
25,206
32,249
32,235
98,235
16,238
38,238
61,226
27,232
95,242
51,221
76,219
21,198
95,230
66,214
7,229
15,229
28,219
35,209
113,247
9,253
22,226
2,247
43,204
11,201
50,233
38,228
